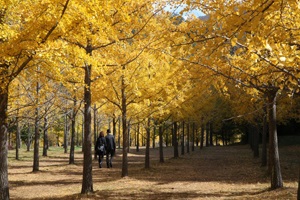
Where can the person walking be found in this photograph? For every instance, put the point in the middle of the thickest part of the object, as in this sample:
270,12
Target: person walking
100,148
110,148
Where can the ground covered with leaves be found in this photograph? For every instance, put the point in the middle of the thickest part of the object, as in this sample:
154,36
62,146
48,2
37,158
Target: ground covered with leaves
228,172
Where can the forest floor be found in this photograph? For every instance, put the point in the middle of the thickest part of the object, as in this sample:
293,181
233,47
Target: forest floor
228,172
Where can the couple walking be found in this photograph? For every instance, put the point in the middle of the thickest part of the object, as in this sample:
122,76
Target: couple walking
105,146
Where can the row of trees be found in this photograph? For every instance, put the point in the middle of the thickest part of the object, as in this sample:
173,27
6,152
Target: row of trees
136,60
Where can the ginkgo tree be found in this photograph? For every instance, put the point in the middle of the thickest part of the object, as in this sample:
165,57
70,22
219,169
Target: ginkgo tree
25,27
254,44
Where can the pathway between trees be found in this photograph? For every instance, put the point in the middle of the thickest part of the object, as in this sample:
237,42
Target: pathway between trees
210,173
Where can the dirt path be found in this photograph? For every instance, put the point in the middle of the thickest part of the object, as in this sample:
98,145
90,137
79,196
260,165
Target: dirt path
211,173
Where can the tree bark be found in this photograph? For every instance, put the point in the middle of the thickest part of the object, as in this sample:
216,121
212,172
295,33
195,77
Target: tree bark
264,139
66,134
45,145
182,139
36,159
125,130
188,138
207,134
147,156
17,135
4,186
138,138
211,132
73,124
193,137
87,179
161,149
174,139
276,178
202,135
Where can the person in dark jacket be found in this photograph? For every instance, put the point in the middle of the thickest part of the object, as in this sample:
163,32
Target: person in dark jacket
110,148
100,147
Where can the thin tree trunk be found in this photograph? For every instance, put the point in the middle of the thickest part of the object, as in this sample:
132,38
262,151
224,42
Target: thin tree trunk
87,179
45,145
17,135
174,139
193,137
207,135
255,134
182,139
95,130
138,138
153,138
211,132
188,138
264,139
36,160
4,186
202,135
73,124
161,149
147,156
66,134
119,134
125,130
276,178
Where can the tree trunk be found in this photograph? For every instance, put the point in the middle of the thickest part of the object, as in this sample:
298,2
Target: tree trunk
4,186
17,135
87,179
276,178
119,134
207,135
161,149
147,156
193,137
153,138
45,145
188,138
73,124
174,139
202,135
66,134
125,130
182,139
211,132
138,138
264,139
95,130
36,159
129,138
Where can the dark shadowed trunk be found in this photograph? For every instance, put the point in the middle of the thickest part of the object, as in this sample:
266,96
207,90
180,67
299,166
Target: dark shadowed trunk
4,187
66,134
18,141
36,157
207,135
95,130
202,135
73,124
264,138
87,179
161,148
125,130
188,138
138,138
147,156
174,139
45,145
182,139
276,178
193,137
211,132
